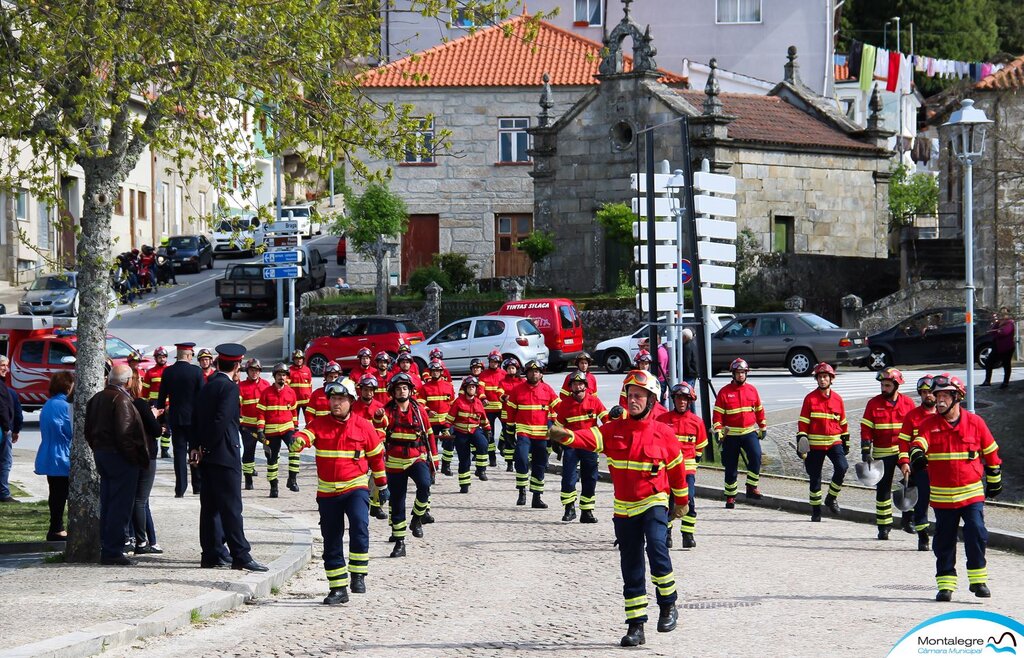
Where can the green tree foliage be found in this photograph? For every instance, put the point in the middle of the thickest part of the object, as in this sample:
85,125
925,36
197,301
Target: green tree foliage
422,276
617,220
538,246
376,218
1010,17
461,275
911,195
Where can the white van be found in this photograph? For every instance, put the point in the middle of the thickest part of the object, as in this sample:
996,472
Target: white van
307,217
237,235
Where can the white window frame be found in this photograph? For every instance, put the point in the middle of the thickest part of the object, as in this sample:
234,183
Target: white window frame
426,133
719,21
590,6
21,204
179,202
513,126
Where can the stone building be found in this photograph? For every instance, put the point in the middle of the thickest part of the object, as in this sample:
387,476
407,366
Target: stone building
811,185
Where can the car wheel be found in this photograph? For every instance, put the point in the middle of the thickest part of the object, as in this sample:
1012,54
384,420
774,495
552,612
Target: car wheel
879,359
317,364
984,354
226,313
616,361
800,363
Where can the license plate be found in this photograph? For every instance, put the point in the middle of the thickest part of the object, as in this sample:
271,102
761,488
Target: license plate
243,305
858,341
568,341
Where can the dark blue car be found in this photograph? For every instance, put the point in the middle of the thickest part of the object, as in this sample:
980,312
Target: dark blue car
933,336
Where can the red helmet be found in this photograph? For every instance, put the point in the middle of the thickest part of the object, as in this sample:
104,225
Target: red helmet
404,348
682,388
383,356
368,381
495,355
469,381
824,368
364,351
925,383
436,364
890,373
642,356
436,353
946,382
739,364
160,351
332,366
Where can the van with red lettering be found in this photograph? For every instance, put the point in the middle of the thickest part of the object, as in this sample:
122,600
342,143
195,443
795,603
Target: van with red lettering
558,321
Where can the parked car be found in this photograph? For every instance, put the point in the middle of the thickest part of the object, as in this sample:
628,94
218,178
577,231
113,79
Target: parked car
237,235
474,338
57,295
378,333
616,354
307,217
935,335
796,341
341,251
243,288
558,321
190,252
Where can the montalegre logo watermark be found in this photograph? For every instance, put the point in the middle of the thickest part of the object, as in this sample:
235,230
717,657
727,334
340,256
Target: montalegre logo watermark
963,633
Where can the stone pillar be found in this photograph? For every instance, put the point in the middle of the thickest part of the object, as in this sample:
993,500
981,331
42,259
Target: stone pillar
431,317
852,305
794,303
514,289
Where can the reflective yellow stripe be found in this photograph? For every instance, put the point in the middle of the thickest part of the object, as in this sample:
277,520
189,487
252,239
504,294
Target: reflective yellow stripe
635,507
823,439
956,494
288,407
739,431
402,463
358,482
337,454
738,410
885,452
990,448
278,428
948,456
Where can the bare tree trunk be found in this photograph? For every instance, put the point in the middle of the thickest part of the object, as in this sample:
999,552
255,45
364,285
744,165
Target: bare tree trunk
93,285
382,285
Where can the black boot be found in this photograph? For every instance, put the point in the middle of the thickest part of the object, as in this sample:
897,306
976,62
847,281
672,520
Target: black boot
359,583
337,596
377,512
416,527
426,518
753,493
521,500
165,453
570,513
399,549
481,473
730,502
248,482
668,618
883,533
944,595
634,636
587,516
463,488
832,505
293,481
492,459
981,590
446,468
668,538
908,525
816,513
537,503
273,488
688,540
508,467
922,540
392,539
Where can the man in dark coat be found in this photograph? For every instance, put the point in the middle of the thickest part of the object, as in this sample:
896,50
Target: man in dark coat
180,384
215,448
8,432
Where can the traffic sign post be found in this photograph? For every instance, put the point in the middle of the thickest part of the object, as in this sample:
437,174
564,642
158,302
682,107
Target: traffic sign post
282,240
685,271
282,257
287,272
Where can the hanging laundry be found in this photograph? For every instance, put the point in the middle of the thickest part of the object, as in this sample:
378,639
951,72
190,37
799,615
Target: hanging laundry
892,75
882,64
867,67
906,75
856,50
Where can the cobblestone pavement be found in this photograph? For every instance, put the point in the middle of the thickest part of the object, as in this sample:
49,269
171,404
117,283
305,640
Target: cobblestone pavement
493,579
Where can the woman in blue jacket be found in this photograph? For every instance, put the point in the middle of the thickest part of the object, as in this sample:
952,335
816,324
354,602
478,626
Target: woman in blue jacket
54,456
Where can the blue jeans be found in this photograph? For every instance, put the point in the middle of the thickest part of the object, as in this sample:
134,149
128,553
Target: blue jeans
975,540
751,448
635,533
6,462
531,462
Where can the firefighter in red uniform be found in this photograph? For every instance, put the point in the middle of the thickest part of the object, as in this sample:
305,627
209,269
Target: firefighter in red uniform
346,446
397,367
300,378
823,423
318,404
583,363
204,357
529,415
467,419
962,460
491,392
383,365
879,439
367,406
693,438
739,426
437,355
513,378
151,391
911,426
249,392
580,411
363,368
411,455
647,471
277,418
405,365
438,396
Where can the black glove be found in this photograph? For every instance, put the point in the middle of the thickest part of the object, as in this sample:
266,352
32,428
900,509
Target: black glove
993,481
383,495
865,452
261,436
616,412
557,448
918,460
698,458
761,434
845,438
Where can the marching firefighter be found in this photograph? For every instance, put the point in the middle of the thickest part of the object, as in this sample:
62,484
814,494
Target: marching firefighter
583,363
204,357
346,445
151,392
467,418
879,439
411,455
823,424
319,405
300,379
249,390
366,406
529,416
277,418
512,379
580,411
490,394
383,364
911,427
439,394
364,367
739,426
647,471
693,438
963,464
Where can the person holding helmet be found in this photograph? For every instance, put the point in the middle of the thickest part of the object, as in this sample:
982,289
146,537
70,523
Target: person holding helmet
318,404
204,357
583,363
491,392
962,459
411,455
277,418
346,446
693,438
513,378
530,413
879,439
364,367
151,392
366,406
647,471
249,390
823,425
911,427
300,378
580,411
468,418
739,426
383,365
438,395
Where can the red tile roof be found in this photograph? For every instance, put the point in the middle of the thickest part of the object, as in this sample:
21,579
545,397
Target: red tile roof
770,119
1010,77
490,58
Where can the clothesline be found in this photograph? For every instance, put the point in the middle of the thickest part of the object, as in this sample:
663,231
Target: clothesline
897,69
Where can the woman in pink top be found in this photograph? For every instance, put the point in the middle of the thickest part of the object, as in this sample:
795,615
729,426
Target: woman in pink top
1003,338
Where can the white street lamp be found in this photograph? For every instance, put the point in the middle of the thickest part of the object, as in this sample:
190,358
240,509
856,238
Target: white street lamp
967,139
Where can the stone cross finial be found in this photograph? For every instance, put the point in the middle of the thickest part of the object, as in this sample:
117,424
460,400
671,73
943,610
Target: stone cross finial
876,121
643,48
792,68
625,6
712,106
546,102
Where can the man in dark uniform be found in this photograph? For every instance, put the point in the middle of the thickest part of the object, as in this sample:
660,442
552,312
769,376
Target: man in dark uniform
215,450
180,384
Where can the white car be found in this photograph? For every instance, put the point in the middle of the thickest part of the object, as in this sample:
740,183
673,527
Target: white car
306,216
474,338
616,354
237,235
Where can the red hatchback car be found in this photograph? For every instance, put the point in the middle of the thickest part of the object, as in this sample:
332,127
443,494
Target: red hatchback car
378,333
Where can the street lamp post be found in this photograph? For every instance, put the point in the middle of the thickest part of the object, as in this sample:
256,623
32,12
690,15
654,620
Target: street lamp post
968,126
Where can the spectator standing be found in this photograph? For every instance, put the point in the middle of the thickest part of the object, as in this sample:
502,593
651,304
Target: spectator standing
53,459
142,519
114,431
690,367
1003,332
8,435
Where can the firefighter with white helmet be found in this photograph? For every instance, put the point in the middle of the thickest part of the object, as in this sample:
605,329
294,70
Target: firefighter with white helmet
738,424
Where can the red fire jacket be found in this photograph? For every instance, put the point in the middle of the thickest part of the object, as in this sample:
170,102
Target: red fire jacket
301,380
249,393
738,410
344,451
957,457
438,396
405,437
530,409
689,430
823,419
491,390
911,425
466,415
880,426
277,412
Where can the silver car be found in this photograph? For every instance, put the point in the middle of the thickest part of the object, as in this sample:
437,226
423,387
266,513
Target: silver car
54,294
474,338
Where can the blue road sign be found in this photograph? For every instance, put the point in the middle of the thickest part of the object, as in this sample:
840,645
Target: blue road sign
281,272
685,271
278,257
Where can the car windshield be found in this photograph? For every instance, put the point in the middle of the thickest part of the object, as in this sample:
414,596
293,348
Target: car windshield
817,322
294,212
235,225
246,272
118,349
182,242
527,328
406,327
55,282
